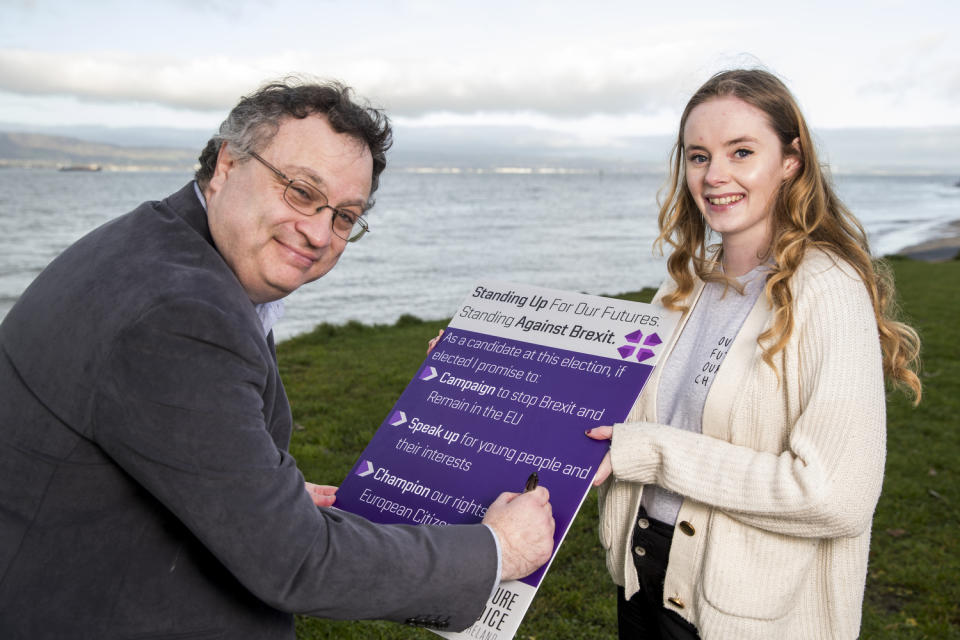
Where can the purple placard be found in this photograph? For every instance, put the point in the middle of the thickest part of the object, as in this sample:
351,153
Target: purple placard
486,409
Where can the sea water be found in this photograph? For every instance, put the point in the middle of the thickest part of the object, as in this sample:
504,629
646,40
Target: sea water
434,233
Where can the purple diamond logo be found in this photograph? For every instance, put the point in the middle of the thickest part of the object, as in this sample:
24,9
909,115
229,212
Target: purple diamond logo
398,418
626,351
428,373
636,338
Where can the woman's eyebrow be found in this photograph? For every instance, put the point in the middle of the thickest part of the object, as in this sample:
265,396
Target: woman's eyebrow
741,140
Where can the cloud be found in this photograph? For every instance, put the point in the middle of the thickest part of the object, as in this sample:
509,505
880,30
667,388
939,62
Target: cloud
561,82
550,60
122,77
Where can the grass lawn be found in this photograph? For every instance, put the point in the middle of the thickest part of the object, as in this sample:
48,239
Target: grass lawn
343,380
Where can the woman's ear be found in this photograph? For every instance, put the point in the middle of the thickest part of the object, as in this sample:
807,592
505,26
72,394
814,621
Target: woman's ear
793,161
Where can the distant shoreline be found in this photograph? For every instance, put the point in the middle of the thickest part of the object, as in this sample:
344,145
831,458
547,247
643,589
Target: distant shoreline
939,249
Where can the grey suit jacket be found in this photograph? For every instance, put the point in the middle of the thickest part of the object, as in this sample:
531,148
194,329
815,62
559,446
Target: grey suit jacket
145,484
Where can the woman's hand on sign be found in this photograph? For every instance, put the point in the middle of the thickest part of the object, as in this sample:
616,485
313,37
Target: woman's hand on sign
606,467
434,342
323,495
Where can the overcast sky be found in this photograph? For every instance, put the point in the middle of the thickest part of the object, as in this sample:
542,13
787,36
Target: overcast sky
611,68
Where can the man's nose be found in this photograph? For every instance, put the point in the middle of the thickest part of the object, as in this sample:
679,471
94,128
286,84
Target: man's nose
317,229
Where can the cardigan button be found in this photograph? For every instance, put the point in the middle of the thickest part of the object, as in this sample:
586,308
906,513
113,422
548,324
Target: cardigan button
687,528
640,551
676,601
643,523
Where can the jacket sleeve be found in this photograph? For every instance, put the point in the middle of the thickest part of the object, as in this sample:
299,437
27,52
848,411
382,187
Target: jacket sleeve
179,407
827,479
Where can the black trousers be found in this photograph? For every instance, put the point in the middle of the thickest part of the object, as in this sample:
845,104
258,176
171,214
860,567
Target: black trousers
643,617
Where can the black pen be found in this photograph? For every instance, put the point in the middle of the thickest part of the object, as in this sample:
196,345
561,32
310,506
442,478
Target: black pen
531,482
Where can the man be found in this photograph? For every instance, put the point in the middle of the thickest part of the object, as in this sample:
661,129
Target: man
145,486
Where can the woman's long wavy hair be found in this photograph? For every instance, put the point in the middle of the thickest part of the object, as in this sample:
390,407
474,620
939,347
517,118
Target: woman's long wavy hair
806,214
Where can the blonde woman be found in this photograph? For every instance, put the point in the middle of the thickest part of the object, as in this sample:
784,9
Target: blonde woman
737,499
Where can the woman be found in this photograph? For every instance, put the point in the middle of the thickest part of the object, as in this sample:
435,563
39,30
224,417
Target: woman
742,487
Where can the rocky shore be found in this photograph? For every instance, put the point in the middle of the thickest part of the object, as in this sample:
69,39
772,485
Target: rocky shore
944,247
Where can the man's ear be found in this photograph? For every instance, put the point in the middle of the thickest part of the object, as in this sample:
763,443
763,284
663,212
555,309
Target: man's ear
793,162
221,170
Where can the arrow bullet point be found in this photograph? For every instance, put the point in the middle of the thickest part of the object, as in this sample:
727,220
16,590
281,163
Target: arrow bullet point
364,472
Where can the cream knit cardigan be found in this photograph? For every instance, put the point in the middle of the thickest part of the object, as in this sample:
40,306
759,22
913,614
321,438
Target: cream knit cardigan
780,489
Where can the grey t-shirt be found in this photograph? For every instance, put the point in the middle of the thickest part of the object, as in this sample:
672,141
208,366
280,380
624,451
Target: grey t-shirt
695,362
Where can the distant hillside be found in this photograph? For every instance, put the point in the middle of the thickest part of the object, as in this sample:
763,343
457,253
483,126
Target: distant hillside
921,150
39,150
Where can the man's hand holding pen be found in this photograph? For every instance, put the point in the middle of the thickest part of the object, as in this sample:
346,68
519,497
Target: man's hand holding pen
524,525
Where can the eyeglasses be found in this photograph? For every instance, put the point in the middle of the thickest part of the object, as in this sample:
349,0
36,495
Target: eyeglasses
308,200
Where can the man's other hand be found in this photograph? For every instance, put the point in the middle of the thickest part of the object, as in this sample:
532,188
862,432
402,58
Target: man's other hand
524,525
323,495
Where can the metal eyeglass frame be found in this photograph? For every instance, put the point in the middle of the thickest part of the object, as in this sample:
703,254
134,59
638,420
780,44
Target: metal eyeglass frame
363,224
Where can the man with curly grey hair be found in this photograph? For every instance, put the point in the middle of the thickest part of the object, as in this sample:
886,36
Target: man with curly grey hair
145,484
